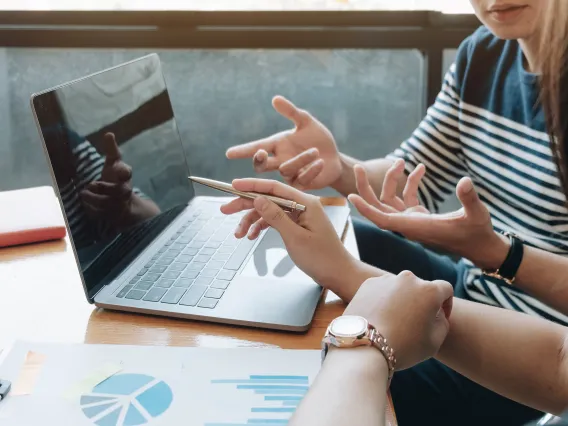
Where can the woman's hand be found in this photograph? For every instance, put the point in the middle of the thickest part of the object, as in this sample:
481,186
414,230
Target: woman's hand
411,313
310,238
467,232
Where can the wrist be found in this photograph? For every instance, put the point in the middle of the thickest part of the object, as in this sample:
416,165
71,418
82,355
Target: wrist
345,184
364,361
492,255
352,274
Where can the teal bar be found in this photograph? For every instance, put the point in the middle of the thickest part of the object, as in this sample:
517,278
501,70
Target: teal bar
273,387
291,403
304,379
281,391
273,409
259,381
282,398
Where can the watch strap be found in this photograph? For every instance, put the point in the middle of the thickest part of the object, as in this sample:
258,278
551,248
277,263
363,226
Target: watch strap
508,270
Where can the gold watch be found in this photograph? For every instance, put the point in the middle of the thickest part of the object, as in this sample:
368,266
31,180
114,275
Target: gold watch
349,331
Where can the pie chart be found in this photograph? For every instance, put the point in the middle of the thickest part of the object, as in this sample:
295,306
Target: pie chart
127,400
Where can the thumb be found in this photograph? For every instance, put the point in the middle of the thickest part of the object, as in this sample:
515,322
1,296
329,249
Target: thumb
469,199
110,149
275,216
290,111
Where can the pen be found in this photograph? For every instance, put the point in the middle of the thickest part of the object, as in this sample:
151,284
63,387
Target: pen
5,386
289,205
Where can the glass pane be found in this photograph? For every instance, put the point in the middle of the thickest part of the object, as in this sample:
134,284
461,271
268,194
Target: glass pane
370,99
447,6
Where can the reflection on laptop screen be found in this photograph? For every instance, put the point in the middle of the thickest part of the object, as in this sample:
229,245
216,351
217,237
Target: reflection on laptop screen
118,161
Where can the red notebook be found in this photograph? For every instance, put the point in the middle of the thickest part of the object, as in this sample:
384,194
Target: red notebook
30,216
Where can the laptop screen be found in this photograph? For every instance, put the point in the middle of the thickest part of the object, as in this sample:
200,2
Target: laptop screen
118,163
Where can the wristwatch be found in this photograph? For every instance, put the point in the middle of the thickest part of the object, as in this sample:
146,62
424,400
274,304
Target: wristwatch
349,331
508,270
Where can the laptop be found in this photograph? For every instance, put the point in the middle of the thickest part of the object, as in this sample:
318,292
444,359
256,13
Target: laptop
142,240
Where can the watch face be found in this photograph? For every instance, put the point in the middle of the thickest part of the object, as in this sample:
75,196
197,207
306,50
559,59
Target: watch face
349,326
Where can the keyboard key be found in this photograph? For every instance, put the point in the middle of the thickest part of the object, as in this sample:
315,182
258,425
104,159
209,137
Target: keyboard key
208,272
201,238
226,275
226,249
144,285
184,240
222,284
203,280
240,254
183,282
157,269
203,258
208,303
148,265
165,261
165,283
193,295
222,256
135,294
232,241
152,277
171,275
168,243
176,266
215,264
213,244
190,274
174,295
214,293
184,258
155,295
172,252
196,266
124,291
196,244
190,251
178,246
142,271
162,250
134,280
207,251
155,257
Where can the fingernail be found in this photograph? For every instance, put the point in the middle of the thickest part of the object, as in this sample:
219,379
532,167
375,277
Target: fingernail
468,187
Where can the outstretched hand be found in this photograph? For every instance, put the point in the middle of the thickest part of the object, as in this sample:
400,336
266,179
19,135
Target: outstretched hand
467,232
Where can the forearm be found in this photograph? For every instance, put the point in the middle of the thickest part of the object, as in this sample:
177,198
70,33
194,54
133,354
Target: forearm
515,355
353,273
376,170
541,274
351,389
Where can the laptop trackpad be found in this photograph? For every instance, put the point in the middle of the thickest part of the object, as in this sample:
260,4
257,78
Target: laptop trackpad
271,260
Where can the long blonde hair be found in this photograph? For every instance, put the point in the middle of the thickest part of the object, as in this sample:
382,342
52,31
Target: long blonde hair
553,64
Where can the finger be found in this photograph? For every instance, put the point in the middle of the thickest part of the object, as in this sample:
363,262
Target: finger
292,167
290,111
276,217
271,187
237,205
469,199
110,149
248,150
363,186
262,162
307,176
122,171
246,222
380,206
257,228
445,293
410,193
390,185
375,215
113,190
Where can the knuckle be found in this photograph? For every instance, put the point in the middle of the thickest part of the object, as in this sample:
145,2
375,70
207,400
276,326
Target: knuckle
407,275
278,215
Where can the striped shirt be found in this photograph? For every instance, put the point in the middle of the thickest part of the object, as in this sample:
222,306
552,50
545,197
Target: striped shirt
487,123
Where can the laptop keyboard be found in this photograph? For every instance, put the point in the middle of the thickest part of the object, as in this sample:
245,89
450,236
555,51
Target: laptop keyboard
196,266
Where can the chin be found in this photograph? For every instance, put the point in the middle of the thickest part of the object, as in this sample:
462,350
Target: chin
509,32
